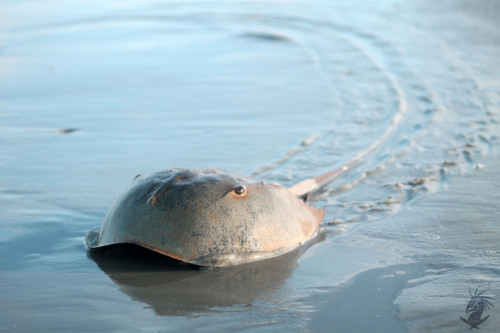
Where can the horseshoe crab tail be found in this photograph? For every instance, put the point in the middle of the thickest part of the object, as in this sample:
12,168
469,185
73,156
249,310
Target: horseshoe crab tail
307,186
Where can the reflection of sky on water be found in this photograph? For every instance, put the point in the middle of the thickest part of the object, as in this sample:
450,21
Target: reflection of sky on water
237,85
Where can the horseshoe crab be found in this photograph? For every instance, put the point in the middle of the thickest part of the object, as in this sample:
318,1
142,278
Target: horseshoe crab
207,217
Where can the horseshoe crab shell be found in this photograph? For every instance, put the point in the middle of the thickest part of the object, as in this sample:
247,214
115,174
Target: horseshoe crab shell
207,217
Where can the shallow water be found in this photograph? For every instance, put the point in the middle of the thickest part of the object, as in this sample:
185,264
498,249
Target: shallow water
92,94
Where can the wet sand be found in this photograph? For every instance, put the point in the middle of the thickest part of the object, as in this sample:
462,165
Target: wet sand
91,96
432,253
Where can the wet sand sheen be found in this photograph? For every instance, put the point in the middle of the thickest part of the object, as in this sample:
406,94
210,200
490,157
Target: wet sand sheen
97,96
429,255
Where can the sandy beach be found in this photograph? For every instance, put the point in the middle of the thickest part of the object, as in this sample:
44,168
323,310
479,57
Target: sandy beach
427,265
406,94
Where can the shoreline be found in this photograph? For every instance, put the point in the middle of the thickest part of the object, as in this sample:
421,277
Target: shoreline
438,264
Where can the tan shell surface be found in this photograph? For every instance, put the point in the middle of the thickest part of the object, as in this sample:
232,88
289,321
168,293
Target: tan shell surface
208,217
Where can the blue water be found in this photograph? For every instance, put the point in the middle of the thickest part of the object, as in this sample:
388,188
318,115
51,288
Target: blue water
93,93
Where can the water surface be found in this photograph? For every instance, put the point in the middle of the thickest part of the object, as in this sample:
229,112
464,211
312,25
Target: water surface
92,94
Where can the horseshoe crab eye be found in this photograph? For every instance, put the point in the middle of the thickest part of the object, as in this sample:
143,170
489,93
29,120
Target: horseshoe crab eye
240,190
